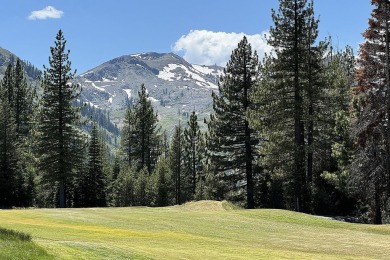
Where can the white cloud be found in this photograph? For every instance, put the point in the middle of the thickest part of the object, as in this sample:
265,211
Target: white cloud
47,12
209,48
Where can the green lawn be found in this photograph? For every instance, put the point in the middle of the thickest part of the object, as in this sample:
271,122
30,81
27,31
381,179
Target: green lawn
17,245
201,230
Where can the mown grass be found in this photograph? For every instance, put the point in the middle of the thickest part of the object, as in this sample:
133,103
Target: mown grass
202,230
18,245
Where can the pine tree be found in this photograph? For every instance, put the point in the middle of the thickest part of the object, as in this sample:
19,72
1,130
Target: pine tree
140,133
129,136
15,124
372,107
233,150
141,188
192,138
22,100
58,120
286,99
116,168
8,85
8,154
203,184
176,162
334,147
93,189
124,188
162,183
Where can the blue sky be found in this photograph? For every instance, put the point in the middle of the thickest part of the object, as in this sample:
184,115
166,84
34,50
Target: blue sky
203,31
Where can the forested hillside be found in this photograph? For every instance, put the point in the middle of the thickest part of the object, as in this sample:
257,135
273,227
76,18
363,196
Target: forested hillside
304,129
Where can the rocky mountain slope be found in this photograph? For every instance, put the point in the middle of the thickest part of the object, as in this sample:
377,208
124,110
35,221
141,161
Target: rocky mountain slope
175,86
6,57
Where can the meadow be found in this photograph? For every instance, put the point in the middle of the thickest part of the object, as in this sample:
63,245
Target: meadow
196,230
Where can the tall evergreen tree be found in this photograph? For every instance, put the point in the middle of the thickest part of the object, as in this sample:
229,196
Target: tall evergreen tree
333,148
289,90
14,126
176,162
192,138
162,184
8,155
94,181
22,100
8,85
58,120
124,188
233,141
372,107
140,133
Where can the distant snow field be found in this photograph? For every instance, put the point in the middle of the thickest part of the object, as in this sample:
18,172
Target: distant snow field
128,92
189,74
153,99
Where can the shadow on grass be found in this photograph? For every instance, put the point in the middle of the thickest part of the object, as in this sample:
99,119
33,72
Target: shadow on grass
12,234
19,245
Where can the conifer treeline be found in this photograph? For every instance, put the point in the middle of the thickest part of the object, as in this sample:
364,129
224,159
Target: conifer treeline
300,130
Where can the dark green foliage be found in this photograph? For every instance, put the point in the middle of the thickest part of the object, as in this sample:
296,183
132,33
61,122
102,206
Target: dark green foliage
124,188
331,194
162,184
140,139
7,85
94,181
16,183
58,137
116,168
192,149
8,155
232,142
176,162
289,100
142,188
23,100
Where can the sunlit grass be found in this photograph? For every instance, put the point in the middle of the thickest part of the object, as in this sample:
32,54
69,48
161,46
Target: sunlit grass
202,230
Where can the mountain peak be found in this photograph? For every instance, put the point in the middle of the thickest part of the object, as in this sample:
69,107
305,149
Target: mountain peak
175,86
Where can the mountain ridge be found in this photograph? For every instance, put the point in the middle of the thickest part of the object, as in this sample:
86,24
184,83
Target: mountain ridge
175,86
7,57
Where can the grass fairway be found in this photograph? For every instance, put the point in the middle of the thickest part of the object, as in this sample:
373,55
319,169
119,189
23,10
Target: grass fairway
201,230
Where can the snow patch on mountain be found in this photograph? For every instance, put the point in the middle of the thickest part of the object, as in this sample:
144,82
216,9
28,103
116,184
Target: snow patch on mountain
167,74
203,69
94,85
86,73
153,99
91,104
128,92
112,80
175,72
